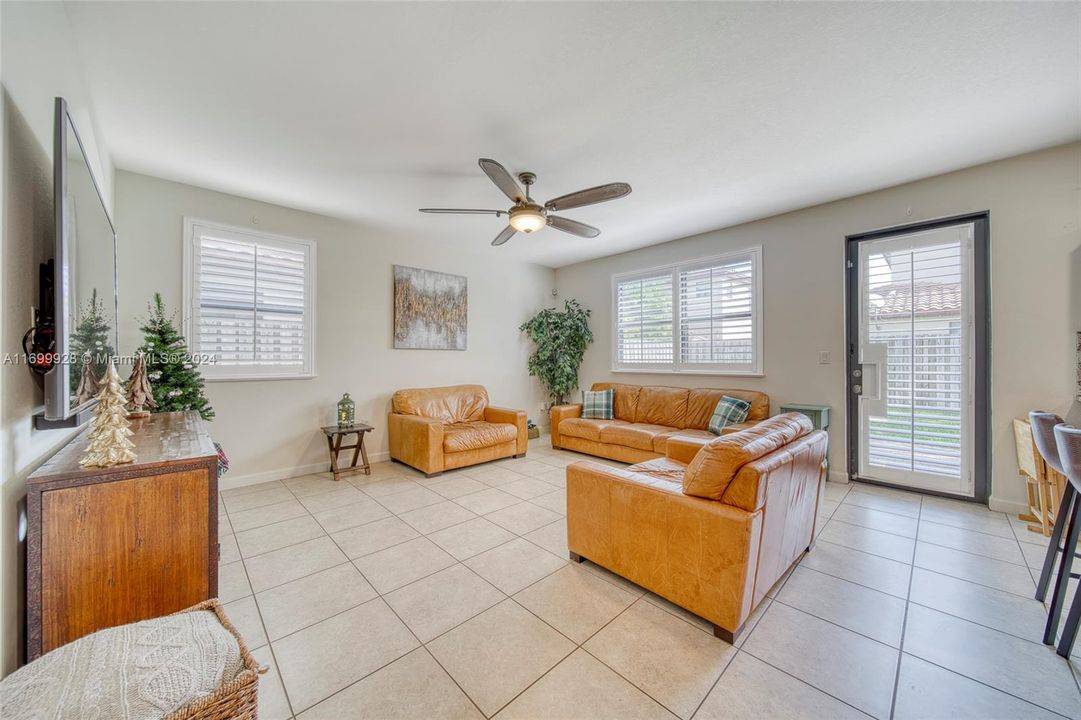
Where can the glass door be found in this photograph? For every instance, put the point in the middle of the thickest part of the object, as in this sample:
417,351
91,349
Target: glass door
912,365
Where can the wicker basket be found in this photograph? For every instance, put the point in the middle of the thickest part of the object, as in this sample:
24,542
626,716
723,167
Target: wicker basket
237,699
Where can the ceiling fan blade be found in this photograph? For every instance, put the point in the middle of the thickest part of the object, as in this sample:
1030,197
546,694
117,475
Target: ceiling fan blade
502,179
573,227
601,193
462,211
504,236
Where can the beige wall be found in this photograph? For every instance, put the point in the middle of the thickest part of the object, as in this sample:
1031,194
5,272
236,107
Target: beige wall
271,428
1035,204
38,61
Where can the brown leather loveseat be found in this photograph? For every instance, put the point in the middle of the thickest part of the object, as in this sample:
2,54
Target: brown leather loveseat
645,416
437,429
713,525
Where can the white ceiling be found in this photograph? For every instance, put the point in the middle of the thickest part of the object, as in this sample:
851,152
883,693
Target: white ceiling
715,113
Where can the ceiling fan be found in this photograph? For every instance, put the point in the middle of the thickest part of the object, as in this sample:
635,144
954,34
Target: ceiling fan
528,216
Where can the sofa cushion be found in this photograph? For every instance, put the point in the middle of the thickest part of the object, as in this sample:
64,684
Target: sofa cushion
663,469
586,428
702,401
660,442
713,468
452,404
658,405
597,404
637,435
626,400
729,411
458,437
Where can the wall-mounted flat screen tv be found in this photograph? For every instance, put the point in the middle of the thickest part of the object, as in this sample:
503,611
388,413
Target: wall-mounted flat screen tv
84,282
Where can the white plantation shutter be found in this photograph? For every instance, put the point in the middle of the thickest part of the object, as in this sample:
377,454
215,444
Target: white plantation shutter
644,320
716,313
250,301
699,317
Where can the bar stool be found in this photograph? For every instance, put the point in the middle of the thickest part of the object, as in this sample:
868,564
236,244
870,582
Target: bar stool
1068,440
1043,434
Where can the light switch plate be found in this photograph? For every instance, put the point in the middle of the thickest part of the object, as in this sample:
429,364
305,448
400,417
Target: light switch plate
824,357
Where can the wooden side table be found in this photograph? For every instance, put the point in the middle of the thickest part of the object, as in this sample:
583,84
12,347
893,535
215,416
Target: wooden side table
335,434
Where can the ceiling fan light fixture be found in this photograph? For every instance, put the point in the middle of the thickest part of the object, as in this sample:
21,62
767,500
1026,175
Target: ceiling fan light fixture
528,218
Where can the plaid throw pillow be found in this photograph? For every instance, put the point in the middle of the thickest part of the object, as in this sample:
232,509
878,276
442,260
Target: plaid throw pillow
597,404
729,411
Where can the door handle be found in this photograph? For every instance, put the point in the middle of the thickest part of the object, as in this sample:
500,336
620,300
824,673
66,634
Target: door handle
857,389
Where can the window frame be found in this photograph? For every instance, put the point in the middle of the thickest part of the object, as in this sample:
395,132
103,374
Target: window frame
213,372
675,367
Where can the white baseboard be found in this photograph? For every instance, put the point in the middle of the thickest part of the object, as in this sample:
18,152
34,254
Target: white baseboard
838,477
230,481
1011,507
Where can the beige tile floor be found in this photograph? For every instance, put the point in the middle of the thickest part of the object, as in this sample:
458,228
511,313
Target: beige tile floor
396,596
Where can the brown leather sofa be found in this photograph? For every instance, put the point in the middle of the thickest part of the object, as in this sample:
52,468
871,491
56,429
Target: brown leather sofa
437,429
645,417
712,525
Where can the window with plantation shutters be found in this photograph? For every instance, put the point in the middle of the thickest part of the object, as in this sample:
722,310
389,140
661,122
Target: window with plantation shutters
698,317
250,302
644,320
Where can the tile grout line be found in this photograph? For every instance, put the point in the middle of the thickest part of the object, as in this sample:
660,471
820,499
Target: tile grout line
269,645
974,582
904,620
982,683
801,680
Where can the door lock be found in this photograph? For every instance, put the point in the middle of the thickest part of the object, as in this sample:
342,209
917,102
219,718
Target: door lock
857,373
857,389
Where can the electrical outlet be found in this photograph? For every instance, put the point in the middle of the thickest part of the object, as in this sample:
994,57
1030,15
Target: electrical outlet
824,357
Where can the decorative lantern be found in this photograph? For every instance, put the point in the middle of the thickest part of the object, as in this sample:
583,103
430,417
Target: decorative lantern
347,411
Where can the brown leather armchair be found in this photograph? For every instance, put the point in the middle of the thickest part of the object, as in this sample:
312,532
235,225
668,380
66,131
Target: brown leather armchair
712,525
437,429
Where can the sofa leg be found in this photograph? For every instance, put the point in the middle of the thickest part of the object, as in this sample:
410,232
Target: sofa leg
432,475
728,636
576,557
519,455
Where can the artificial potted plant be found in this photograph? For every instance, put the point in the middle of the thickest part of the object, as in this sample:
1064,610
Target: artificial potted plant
561,338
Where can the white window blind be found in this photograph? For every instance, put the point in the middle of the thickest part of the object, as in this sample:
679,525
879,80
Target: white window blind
700,317
644,320
250,301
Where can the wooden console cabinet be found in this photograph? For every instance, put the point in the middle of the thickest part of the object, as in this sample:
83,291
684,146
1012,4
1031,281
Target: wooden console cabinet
108,546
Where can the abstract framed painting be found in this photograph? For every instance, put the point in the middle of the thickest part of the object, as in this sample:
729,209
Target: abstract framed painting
430,309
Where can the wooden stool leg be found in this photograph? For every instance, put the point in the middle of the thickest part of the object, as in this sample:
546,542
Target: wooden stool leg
1062,580
356,450
1065,509
364,455
335,447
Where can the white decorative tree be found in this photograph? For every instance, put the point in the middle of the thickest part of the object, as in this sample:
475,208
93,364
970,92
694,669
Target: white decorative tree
108,442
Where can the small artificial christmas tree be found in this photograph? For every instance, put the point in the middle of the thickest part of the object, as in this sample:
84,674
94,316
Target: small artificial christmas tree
91,335
139,392
89,387
108,442
176,382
